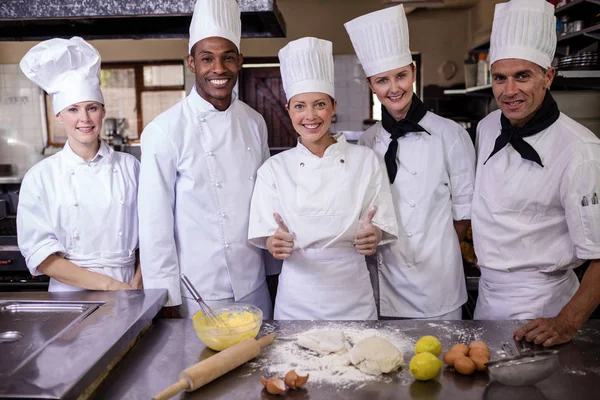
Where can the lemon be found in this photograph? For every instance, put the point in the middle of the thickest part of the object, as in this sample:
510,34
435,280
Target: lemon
425,366
428,344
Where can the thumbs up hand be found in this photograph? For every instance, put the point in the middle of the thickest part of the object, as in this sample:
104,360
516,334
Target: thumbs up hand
368,235
281,244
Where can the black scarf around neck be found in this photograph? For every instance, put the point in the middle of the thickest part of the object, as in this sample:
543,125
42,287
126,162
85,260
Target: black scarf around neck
397,129
543,118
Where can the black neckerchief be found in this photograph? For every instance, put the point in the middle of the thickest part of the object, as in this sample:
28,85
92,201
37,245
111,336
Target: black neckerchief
543,118
397,129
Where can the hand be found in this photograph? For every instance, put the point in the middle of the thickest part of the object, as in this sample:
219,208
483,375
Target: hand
281,244
547,331
118,285
367,238
171,312
137,282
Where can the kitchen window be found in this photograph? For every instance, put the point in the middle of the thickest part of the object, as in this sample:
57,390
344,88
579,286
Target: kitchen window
134,93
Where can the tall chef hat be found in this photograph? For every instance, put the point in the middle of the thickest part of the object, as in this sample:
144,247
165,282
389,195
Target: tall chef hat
219,18
307,66
380,40
68,70
524,29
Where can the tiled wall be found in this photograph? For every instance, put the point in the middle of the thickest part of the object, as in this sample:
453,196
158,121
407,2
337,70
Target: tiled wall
22,134
352,94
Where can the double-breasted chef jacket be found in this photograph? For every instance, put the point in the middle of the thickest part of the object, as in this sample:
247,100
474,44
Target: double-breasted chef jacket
322,201
530,224
84,211
421,274
197,176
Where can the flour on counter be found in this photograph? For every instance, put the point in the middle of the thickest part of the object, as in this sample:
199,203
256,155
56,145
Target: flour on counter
335,369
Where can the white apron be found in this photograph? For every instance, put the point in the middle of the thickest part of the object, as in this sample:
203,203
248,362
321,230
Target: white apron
523,294
325,284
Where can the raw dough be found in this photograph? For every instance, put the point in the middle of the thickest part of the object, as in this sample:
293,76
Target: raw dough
375,355
324,341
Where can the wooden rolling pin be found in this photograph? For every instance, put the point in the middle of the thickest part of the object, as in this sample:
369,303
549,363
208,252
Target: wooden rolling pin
213,367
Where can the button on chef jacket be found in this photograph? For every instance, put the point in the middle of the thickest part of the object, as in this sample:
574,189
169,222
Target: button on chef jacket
198,170
421,274
321,200
529,222
85,211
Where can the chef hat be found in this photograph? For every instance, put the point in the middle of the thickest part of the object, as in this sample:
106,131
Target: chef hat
380,40
524,29
219,18
67,69
307,66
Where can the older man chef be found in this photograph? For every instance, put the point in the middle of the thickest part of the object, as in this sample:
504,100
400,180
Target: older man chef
199,161
535,211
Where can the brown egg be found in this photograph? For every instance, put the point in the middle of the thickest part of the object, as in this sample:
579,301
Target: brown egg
479,361
463,348
479,351
451,356
479,344
464,365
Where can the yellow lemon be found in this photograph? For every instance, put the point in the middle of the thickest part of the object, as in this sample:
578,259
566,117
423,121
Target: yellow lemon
428,344
425,366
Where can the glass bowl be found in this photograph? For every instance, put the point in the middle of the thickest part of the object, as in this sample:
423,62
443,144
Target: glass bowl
243,322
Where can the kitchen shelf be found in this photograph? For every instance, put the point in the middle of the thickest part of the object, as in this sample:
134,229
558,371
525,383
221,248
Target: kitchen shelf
484,90
578,9
579,74
581,38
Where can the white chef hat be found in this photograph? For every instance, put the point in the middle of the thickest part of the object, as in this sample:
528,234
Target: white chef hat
380,40
524,29
67,69
307,66
220,18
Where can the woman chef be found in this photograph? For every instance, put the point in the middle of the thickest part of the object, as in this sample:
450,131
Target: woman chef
308,201
77,218
430,163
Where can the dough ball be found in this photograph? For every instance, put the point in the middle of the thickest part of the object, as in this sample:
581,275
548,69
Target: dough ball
375,356
324,341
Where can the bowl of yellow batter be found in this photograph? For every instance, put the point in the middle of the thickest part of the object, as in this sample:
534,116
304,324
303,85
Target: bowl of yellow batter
242,322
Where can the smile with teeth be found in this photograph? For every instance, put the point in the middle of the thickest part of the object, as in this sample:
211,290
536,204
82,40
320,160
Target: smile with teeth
219,82
395,98
85,129
515,103
311,126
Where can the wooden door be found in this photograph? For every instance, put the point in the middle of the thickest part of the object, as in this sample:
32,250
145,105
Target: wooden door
262,90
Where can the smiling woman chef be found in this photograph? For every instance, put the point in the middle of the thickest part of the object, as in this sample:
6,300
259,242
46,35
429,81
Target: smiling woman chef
319,190
77,216
535,210
430,163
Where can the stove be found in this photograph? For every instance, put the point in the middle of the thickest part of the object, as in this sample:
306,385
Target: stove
14,275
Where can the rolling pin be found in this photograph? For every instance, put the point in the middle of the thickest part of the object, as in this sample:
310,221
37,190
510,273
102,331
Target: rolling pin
213,367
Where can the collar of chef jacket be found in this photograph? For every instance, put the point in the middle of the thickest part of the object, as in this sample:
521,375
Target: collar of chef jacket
336,149
104,153
203,109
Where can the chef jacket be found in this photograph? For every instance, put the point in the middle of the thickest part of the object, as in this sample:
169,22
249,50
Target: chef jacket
529,218
84,211
421,274
197,175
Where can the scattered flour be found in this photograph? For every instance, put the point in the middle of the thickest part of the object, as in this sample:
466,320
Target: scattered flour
332,369
449,331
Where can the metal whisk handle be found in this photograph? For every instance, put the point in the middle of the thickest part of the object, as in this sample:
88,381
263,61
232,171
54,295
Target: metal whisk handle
191,288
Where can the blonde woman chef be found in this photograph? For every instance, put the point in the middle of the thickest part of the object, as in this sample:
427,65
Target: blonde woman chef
77,214
319,191
430,163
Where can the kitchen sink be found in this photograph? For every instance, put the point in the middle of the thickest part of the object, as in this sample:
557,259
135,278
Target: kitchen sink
28,327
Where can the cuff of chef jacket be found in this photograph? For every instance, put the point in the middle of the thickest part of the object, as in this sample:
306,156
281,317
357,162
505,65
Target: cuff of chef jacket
386,237
588,253
40,254
461,211
171,284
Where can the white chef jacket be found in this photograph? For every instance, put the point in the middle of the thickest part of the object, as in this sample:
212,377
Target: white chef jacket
82,210
196,182
529,221
321,200
421,274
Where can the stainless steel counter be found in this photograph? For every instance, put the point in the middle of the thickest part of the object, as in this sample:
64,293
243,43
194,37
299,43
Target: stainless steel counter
75,358
171,346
